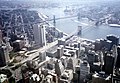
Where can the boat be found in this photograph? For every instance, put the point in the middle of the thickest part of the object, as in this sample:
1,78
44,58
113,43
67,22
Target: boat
114,25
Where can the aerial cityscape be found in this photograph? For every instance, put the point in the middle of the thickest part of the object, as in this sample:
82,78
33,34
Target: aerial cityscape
59,41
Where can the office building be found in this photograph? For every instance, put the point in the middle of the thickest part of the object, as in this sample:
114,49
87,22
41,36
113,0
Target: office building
109,63
60,51
66,76
103,44
34,79
4,56
0,37
18,45
71,63
106,44
42,56
114,39
59,68
118,57
101,78
39,35
61,41
3,78
51,64
79,30
98,45
64,60
52,52
17,75
84,71
48,79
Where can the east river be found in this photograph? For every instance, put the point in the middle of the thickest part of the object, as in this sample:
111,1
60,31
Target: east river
69,25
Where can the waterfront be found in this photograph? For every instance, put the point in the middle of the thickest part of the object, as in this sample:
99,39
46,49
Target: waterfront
69,25
32,50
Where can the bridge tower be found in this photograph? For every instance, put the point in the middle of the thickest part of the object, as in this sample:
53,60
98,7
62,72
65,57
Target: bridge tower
79,30
78,15
54,21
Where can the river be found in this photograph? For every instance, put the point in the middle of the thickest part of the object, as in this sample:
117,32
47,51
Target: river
69,25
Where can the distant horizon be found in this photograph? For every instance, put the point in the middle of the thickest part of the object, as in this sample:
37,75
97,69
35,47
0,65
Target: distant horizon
62,0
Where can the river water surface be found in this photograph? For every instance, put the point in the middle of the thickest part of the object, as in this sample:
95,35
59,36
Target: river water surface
69,25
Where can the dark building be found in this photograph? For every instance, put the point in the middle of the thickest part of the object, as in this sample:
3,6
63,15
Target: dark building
4,56
106,44
0,37
101,77
98,45
109,63
103,44
114,39
118,57
59,52
18,45
59,68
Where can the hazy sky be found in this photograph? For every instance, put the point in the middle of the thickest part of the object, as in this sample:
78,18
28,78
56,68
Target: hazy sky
85,1
62,0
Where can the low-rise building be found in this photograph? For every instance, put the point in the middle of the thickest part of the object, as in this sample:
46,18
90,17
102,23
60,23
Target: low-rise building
101,78
3,78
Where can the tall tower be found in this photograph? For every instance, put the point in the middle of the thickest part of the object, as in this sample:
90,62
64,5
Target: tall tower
79,30
0,37
54,21
78,16
39,35
109,63
118,57
4,56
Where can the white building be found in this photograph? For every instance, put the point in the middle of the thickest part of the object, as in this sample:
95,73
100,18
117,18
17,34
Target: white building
39,35
3,78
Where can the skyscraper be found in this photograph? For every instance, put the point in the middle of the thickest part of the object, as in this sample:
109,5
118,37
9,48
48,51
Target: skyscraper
39,35
4,56
118,57
109,63
0,37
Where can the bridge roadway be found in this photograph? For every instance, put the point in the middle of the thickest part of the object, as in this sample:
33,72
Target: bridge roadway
46,21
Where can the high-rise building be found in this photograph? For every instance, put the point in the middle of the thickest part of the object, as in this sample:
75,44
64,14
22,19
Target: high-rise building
39,35
18,45
109,63
84,71
4,56
106,44
71,63
98,45
0,37
59,68
60,51
113,38
118,57
79,30
42,56
103,44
